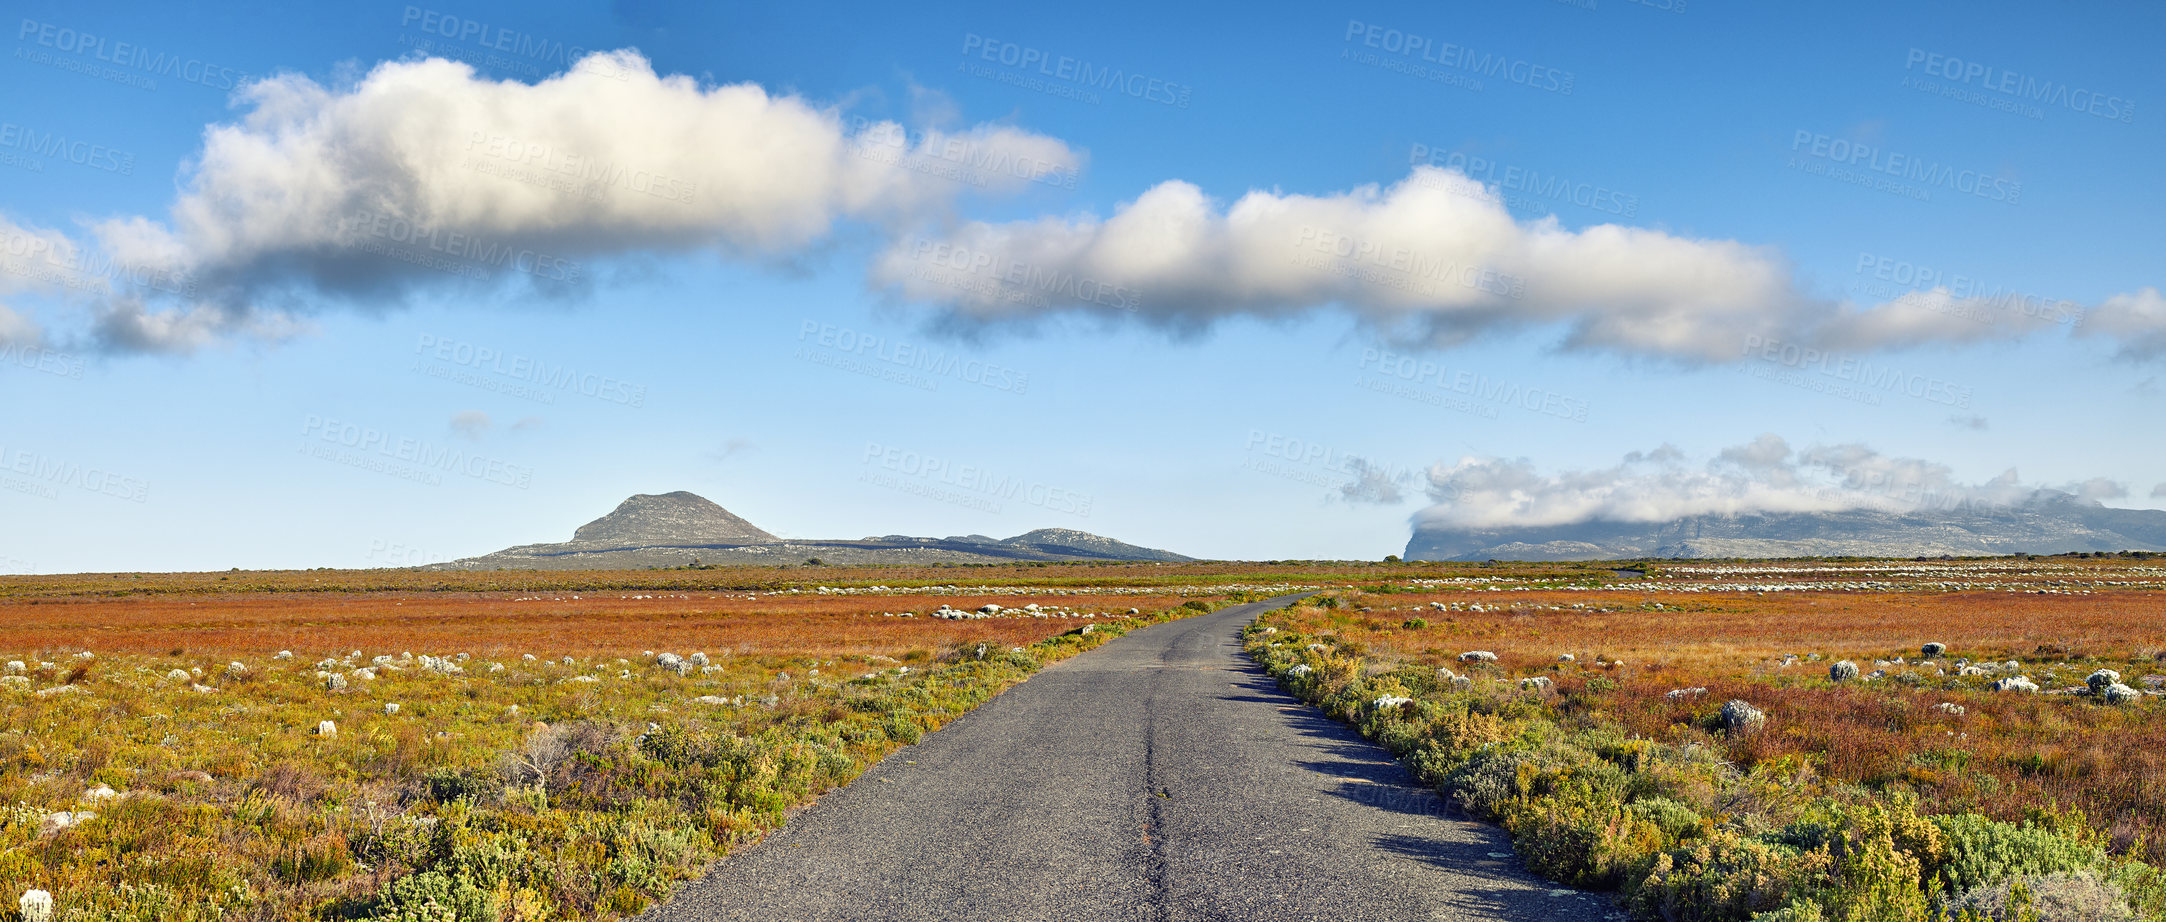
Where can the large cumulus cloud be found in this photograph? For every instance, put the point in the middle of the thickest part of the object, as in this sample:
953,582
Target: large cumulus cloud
423,173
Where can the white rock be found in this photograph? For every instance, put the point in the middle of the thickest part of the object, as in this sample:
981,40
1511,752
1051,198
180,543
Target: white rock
2015,684
390,708
710,699
441,666
282,654
1739,717
327,728
96,794
1477,656
55,822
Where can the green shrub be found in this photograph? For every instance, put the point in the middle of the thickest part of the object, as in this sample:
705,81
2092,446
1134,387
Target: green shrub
1676,820
1581,837
1725,878
434,896
1487,783
2044,898
1876,877
1982,852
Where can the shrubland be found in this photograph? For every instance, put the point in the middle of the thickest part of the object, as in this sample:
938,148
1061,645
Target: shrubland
1600,732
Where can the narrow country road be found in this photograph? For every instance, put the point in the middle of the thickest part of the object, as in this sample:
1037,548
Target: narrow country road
1160,777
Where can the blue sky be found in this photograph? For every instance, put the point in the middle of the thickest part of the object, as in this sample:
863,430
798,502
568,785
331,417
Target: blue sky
2009,150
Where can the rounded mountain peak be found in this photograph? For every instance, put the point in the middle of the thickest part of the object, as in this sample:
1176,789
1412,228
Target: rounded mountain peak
669,518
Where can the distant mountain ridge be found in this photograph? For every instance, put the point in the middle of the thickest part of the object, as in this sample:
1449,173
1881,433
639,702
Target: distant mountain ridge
682,528
2056,523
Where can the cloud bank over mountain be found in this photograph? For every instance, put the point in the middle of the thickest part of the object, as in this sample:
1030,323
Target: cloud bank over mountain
1763,476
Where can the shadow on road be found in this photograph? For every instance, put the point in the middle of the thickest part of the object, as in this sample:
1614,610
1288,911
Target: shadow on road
1365,773
1501,903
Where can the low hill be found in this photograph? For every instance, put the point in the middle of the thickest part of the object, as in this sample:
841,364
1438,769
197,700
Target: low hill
680,529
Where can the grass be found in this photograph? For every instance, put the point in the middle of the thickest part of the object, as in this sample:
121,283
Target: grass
547,767
1865,800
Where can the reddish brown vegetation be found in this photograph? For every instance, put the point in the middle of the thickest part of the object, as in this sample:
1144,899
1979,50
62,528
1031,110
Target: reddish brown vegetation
2006,756
545,624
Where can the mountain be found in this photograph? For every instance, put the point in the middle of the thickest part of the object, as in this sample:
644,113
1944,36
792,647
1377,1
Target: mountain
2054,524
670,518
676,529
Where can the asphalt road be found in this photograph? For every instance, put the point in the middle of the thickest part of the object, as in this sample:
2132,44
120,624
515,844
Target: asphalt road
1160,777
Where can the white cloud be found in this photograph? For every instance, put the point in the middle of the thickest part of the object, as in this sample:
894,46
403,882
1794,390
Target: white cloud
16,329
2137,321
1373,484
424,174
33,260
1938,316
1763,476
2099,489
1436,258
